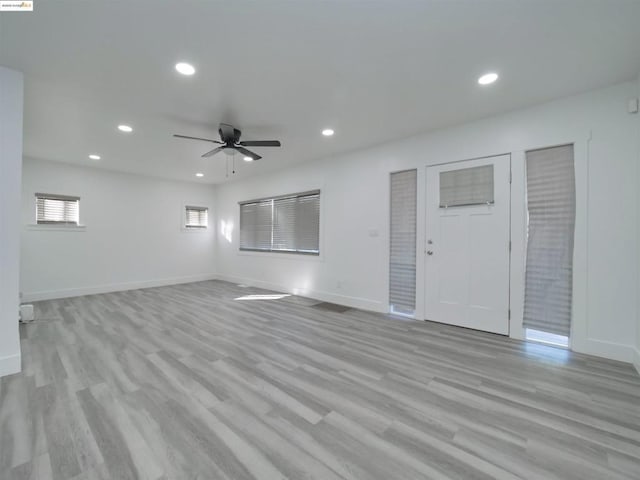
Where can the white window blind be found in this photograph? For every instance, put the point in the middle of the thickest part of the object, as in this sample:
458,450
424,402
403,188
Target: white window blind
256,225
284,223
289,223
196,217
549,268
402,266
466,186
57,209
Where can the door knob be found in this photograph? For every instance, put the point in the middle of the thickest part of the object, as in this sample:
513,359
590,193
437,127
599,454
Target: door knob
429,252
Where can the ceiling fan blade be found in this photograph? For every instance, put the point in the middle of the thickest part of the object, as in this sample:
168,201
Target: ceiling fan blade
248,153
196,138
261,143
227,133
212,152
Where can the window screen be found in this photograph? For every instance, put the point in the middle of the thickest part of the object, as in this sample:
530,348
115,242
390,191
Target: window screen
402,255
466,186
196,217
549,268
57,209
289,223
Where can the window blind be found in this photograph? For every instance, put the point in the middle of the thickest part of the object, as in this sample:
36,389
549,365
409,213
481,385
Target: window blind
307,223
196,217
402,255
256,225
57,209
284,224
288,223
549,266
466,186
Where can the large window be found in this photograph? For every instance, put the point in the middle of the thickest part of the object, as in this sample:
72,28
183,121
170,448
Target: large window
196,217
402,254
288,223
57,209
551,204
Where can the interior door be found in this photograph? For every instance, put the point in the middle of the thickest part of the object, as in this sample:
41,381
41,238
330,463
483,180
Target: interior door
467,261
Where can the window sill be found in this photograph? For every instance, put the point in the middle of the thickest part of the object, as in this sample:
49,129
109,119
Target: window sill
195,229
285,255
56,228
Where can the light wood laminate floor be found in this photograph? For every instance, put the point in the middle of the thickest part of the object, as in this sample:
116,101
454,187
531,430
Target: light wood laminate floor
211,380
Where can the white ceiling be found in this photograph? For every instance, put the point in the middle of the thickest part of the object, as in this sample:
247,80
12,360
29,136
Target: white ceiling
372,70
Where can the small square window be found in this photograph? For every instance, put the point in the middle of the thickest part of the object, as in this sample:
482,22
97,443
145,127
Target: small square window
57,209
196,217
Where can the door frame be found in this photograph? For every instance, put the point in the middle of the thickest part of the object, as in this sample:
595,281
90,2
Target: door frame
581,139
424,246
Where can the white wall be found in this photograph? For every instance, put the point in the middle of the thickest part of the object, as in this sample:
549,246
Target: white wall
10,171
133,235
353,267
114,254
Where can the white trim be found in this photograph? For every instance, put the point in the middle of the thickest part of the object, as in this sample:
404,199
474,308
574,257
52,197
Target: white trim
52,227
610,350
200,230
518,235
10,365
116,287
348,301
284,255
579,340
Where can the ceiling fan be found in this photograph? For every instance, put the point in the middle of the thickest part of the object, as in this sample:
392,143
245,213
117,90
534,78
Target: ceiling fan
231,143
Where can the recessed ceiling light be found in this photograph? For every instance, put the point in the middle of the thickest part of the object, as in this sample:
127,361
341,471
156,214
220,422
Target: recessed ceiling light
488,78
248,159
94,157
125,128
199,174
327,132
185,68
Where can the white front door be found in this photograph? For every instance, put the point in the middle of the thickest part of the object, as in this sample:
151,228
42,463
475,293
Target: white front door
467,261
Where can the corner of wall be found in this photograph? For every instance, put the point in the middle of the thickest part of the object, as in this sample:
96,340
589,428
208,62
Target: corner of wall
11,121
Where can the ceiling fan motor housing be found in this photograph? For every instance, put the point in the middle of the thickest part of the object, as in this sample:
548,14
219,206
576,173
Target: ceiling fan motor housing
234,140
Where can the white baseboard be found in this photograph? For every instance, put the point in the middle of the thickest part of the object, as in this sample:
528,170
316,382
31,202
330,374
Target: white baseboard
610,350
10,365
116,287
636,359
346,300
